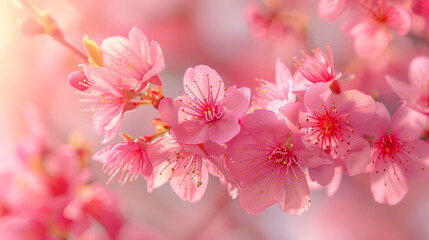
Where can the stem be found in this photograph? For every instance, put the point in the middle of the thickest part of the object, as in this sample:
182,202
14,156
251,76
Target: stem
61,39
72,48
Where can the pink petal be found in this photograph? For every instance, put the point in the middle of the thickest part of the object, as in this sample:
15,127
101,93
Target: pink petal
389,184
369,45
403,90
332,187
223,129
378,123
139,40
187,187
202,80
300,83
360,106
256,196
189,132
237,101
408,123
322,175
283,76
418,162
157,62
400,20
417,71
317,95
293,113
331,9
116,56
295,199
359,156
264,126
160,175
168,111
159,150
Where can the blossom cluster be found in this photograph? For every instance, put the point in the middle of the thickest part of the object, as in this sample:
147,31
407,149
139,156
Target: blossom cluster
301,130
48,192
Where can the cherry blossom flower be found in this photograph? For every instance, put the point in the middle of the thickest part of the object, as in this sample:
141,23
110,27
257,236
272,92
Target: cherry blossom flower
268,159
281,90
134,58
128,158
314,69
415,94
396,154
371,30
329,124
185,166
207,111
111,97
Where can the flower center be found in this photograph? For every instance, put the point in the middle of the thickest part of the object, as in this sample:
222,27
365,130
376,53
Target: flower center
389,145
213,113
283,156
328,128
203,103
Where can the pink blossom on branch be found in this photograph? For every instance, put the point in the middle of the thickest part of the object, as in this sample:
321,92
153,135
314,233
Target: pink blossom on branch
314,69
329,123
280,90
134,58
185,166
268,159
111,96
206,111
396,153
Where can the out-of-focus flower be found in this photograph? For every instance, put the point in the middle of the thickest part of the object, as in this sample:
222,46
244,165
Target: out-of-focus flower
95,201
268,159
415,94
207,111
331,9
396,154
371,30
128,159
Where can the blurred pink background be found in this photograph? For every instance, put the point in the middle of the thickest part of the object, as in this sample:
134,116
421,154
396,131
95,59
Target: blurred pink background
216,33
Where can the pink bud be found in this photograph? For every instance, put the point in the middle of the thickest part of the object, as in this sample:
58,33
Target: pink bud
77,79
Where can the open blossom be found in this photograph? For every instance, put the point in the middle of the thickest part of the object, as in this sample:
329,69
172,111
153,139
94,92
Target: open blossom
207,111
134,58
371,30
268,159
396,154
281,90
129,159
111,96
185,166
328,123
314,69
415,94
